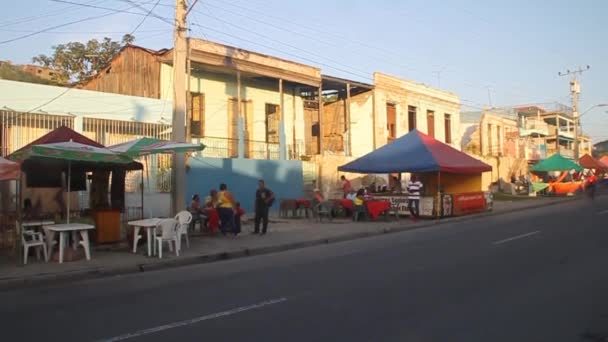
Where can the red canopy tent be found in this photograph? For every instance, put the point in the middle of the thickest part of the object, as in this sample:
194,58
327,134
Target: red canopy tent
604,160
9,170
62,134
588,162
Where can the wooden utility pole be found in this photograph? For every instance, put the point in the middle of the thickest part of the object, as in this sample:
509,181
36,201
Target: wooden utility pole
178,175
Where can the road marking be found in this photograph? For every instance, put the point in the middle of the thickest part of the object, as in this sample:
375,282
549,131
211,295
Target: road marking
602,212
516,237
173,325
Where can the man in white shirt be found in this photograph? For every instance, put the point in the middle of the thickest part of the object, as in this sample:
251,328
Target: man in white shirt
413,188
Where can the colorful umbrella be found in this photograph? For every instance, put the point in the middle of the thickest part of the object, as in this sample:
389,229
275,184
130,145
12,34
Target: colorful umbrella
71,151
145,146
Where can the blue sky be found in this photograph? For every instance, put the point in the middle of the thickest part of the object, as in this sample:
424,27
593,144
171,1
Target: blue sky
513,48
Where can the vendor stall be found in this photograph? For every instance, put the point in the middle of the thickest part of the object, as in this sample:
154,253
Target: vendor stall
451,179
63,159
562,185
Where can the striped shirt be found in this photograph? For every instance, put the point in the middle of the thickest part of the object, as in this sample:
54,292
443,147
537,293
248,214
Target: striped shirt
413,188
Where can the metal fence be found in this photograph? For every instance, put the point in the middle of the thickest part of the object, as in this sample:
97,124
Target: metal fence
216,147
18,129
157,168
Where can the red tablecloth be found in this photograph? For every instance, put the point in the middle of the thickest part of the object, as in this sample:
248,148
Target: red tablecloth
303,202
375,208
344,203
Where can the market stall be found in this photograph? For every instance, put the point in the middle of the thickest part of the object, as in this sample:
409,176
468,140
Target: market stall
561,182
452,179
588,162
65,159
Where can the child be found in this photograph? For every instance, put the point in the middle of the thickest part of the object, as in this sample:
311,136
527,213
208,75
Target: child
238,213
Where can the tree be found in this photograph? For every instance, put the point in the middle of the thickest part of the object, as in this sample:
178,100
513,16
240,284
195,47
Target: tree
77,61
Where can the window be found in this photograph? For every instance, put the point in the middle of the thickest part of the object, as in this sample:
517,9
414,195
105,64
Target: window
447,123
430,123
391,121
411,117
197,115
272,123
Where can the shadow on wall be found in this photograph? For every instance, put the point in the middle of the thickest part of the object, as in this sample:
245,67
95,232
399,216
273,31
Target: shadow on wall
283,177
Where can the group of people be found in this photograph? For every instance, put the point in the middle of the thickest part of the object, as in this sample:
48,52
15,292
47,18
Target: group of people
414,187
221,210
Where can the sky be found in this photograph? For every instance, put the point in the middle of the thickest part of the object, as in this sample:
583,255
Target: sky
490,53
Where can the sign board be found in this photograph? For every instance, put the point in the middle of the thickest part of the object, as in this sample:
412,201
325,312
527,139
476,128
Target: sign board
468,203
400,201
426,204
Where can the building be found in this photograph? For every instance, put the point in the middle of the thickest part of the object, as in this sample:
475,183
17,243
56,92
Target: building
541,131
490,133
40,72
285,107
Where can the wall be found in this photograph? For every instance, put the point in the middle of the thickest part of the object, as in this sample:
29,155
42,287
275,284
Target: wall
405,93
284,178
361,117
502,168
134,71
155,204
219,88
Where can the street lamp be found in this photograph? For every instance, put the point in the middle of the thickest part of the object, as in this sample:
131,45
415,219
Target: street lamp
577,124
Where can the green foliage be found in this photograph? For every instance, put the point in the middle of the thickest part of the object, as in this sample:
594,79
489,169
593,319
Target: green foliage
14,73
77,61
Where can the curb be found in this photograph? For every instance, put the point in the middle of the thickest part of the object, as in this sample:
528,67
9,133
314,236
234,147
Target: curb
47,279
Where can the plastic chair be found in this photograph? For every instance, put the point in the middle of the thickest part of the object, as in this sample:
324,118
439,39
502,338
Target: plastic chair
169,229
324,209
184,218
30,238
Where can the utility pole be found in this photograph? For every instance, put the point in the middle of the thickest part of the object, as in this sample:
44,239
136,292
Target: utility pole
575,90
178,174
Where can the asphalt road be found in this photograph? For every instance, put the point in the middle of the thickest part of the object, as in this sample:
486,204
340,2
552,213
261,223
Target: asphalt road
538,275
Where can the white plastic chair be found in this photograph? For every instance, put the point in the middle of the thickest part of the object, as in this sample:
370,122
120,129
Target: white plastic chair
184,218
30,238
169,229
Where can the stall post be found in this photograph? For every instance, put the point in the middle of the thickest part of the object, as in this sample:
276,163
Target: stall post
438,202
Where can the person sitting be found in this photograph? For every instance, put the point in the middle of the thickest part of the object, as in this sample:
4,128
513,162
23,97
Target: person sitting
196,211
211,201
212,220
318,197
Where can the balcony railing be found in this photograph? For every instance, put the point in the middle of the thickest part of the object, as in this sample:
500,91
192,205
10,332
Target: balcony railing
217,147
534,127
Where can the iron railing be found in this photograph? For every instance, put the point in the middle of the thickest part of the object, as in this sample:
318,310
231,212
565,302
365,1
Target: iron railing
18,129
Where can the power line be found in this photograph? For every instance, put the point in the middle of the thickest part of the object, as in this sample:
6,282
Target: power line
290,45
280,51
59,26
144,18
124,11
169,21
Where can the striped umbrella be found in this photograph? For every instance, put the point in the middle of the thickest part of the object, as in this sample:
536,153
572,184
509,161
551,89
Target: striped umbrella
145,146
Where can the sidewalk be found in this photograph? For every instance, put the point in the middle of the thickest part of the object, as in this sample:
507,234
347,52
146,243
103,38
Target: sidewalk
284,234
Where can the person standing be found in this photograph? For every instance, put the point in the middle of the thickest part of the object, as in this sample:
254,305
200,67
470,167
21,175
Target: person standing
347,188
226,209
264,198
413,188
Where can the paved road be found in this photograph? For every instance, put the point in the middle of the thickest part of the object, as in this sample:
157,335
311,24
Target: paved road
539,275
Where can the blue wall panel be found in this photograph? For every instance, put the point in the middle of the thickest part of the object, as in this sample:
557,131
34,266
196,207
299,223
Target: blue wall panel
283,177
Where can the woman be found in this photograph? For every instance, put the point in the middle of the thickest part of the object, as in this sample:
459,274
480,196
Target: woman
226,210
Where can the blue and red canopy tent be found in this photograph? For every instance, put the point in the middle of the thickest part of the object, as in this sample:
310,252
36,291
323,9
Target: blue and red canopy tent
416,152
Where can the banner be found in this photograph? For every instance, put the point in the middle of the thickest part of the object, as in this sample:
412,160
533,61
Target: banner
468,203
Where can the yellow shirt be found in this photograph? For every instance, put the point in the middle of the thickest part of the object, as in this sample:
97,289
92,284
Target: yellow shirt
358,201
225,199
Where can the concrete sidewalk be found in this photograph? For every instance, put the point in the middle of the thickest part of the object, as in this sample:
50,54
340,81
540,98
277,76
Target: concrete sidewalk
284,234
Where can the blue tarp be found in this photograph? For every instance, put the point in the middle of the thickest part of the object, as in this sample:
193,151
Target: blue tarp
416,152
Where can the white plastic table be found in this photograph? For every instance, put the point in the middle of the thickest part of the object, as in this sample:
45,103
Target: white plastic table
63,230
34,223
150,225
